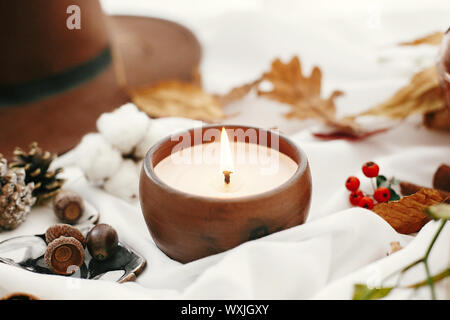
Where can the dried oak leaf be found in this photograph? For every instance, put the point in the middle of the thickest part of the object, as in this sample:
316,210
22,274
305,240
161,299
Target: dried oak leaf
407,215
423,94
433,39
177,99
301,92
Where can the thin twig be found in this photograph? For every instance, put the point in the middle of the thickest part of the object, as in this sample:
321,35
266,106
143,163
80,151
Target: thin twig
443,222
373,185
430,281
423,260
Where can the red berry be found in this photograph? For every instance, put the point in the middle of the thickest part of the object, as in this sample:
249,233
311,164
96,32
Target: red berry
366,202
382,194
370,169
352,183
355,197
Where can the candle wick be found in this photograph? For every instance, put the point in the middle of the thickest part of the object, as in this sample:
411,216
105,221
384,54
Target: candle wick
227,176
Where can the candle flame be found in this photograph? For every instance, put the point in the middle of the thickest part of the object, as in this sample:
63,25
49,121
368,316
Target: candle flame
226,159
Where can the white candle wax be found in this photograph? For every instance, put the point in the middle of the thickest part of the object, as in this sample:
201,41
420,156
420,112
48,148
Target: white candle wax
197,170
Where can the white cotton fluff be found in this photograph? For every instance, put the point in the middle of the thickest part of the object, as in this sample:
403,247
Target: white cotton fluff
98,159
125,182
124,127
161,128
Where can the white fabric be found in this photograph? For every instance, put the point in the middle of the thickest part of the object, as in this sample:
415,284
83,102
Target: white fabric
338,246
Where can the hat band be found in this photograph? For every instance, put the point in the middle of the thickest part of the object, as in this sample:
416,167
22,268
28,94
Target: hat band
41,88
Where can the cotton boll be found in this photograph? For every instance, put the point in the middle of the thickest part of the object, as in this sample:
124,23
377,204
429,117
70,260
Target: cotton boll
124,127
154,133
98,159
163,127
125,182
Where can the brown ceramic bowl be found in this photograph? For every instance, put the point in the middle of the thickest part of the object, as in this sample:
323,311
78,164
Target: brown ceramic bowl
187,227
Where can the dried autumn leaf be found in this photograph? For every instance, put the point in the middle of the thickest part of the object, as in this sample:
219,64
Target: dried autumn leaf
177,99
407,215
423,94
301,92
433,39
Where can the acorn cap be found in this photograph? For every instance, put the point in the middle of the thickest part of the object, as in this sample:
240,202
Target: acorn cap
68,206
63,253
66,230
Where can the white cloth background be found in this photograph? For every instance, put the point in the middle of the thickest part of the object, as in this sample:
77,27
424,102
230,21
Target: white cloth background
354,44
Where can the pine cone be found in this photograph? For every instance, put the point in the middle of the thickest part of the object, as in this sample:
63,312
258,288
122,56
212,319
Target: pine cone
15,196
36,164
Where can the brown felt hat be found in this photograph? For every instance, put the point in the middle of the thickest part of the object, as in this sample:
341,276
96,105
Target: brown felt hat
56,79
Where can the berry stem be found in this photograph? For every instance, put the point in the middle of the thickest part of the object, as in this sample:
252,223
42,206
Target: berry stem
373,185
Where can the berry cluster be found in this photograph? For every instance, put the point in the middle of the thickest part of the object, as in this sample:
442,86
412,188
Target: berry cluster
382,193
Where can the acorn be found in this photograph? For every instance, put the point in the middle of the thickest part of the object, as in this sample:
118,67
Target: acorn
68,206
64,253
66,230
102,242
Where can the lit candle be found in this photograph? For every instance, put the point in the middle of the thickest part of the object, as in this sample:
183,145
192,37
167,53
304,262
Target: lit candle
227,170
206,190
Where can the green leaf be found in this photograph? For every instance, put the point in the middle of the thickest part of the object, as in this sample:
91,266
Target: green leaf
363,292
382,181
394,195
439,211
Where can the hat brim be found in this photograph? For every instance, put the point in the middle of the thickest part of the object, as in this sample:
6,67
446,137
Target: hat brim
145,50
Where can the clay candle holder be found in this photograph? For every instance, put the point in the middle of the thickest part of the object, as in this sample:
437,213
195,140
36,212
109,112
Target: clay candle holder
188,226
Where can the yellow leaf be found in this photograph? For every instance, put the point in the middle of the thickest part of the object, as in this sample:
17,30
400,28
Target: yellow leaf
423,94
